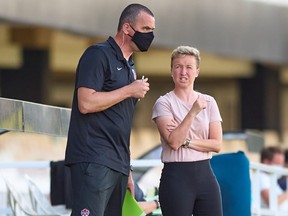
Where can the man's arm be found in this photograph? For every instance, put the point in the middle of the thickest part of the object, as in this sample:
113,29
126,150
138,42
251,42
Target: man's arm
280,199
90,101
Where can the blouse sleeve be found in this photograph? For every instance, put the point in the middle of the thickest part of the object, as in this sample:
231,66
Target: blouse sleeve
214,111
162,107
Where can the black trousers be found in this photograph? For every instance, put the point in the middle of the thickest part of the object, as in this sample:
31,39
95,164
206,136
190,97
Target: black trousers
188,188
97,190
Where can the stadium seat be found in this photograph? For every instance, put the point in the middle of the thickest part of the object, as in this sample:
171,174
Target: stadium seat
232,173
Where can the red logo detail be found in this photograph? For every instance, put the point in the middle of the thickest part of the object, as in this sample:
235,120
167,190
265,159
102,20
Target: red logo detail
85,212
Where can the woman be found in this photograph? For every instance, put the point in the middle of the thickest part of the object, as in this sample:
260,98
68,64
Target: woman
189,124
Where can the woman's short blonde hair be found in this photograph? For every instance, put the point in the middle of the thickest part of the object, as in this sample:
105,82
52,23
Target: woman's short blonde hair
186,50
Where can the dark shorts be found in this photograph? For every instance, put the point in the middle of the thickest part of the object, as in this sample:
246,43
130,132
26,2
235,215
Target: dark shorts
97,190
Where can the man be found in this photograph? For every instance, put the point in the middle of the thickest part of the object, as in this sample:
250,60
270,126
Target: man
106,92
272,156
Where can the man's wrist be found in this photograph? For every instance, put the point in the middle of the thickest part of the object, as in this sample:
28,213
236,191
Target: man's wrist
157,203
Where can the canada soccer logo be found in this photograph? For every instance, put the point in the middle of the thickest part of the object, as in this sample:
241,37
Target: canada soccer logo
85,212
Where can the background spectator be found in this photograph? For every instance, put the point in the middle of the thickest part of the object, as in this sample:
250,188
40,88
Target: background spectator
273,156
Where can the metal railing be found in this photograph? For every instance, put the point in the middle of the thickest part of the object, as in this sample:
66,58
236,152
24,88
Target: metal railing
274,172
23,116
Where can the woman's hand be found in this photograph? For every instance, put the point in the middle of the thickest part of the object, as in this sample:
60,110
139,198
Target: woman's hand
172,125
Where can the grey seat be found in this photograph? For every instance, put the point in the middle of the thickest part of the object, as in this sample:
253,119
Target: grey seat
39,201
18,202
22,205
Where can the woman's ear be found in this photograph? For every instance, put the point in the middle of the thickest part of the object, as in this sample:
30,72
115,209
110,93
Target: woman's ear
197,73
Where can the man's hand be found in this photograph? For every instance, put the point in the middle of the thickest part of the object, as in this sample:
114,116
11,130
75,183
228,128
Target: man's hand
139,88
130,185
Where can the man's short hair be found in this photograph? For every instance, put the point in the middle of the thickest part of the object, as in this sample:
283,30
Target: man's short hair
130,13
269,152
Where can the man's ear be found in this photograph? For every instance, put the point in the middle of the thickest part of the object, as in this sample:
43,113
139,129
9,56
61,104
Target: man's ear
126,28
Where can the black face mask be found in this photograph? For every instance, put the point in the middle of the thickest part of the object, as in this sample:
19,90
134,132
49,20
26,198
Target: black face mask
142,40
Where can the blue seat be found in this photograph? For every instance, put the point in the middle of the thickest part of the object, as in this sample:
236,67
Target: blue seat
232,173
